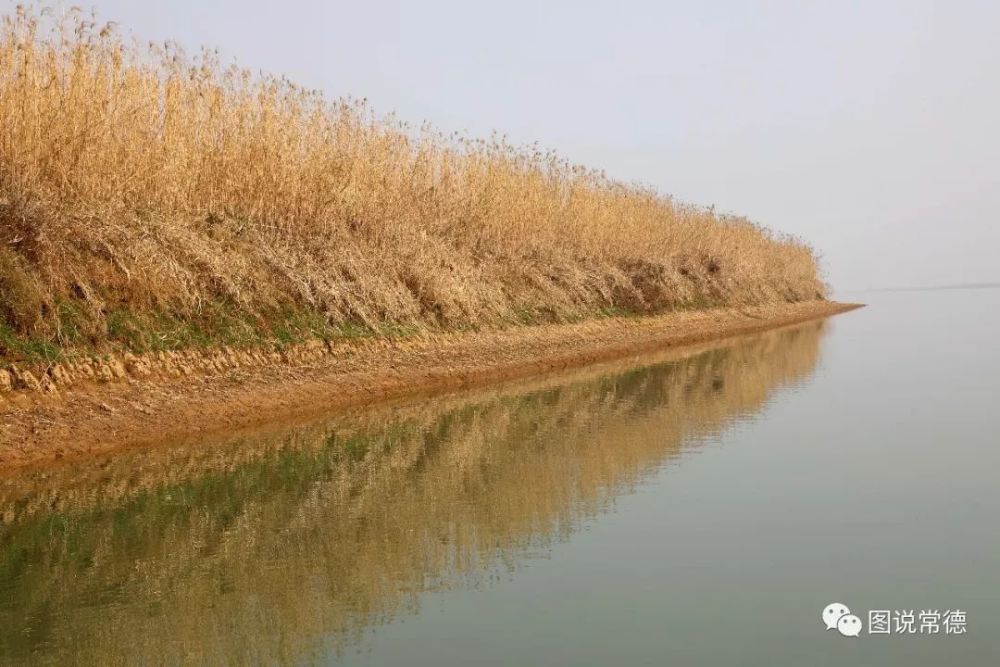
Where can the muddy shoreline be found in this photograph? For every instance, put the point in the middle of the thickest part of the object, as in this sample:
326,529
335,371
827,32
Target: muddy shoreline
130,401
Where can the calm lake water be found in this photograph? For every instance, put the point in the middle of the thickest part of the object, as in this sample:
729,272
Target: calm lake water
696,510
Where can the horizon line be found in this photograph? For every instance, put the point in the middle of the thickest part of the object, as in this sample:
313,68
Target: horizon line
911,288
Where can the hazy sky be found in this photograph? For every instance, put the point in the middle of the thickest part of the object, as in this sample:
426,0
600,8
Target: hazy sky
870,129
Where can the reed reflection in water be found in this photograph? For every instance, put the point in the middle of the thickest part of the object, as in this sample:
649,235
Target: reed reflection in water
288,547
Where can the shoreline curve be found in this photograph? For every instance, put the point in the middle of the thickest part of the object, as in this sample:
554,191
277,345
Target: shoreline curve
129,402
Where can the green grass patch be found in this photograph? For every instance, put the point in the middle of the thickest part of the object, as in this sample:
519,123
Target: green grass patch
77,332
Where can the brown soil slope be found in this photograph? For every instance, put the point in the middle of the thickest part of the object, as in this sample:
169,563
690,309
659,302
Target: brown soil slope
146,400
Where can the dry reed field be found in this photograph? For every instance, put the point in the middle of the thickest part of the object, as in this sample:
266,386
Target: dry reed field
152,200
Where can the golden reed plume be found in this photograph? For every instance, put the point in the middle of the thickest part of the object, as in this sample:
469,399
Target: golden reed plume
153,200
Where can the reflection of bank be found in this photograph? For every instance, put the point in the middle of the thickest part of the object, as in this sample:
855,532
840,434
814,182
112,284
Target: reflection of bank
258,550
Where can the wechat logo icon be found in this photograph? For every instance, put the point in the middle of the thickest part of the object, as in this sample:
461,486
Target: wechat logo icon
837,616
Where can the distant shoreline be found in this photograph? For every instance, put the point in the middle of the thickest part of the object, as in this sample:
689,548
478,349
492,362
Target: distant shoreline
930,288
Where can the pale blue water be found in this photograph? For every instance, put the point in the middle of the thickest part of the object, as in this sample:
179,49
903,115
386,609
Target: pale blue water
874,484
700,511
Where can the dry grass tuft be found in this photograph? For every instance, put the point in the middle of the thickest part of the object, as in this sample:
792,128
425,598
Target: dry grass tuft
139,179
